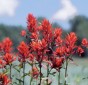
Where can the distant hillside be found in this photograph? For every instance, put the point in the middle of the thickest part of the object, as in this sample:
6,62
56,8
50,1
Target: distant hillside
11,31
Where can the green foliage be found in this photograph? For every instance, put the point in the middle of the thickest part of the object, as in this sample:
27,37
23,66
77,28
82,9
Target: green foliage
80,25
11,31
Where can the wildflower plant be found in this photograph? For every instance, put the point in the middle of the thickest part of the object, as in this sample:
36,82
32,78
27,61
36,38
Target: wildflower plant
44,48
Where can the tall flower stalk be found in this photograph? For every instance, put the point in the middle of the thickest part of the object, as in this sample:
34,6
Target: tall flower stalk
10,71
59,77
40,71
66,68
23,73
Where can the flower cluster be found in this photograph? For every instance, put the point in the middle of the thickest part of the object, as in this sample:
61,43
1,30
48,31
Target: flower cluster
47,45
4,80
6,59
44,48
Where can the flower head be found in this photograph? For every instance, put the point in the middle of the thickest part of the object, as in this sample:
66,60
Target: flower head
57,32
84,42
47,30
23,50
4,80
60,51
2,63
31,23
57,62
8,58
7,45
35,72
80,50
23,33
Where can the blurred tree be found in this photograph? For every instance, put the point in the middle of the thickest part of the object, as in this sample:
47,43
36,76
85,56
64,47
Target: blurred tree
79,25
11,31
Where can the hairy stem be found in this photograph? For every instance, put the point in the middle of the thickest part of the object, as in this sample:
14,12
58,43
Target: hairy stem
47,73
59,78
40,72
23,73
31,76
10,71
66,70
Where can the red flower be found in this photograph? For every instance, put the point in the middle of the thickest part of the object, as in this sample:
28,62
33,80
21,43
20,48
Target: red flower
4,80
39,45
57,32
8,58
70,42
7,45
60,51
35,72
34,36
59,41
31,57
46,26
23,33
2,63
31,23
57,62
71,39
68,51
36,45
47,30
80,50
84,42
23,50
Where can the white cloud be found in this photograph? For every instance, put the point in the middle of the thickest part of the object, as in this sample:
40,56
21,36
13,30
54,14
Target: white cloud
67,11
8,7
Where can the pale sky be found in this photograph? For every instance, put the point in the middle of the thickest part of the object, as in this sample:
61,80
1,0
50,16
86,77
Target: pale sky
14,12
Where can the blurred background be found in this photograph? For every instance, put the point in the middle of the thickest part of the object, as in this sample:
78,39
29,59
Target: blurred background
70,15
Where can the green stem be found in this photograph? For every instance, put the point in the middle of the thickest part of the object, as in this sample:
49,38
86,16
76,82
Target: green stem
66,70
23,73
40,72
47,73
31,76
59,78
10,71
30,81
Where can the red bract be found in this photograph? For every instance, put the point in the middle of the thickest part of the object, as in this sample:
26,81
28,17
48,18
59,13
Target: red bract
57,32
70,42
31,23
2,63
68,51
34,36
4,80
31,57
60,51
39,49
35,72
47,30
23,33
23,50
8,58
57,62
39,45
59,41
71,39
46,26
7,45
80,50
85,42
